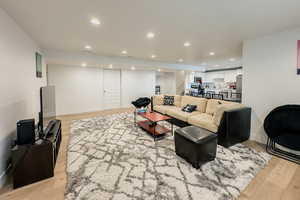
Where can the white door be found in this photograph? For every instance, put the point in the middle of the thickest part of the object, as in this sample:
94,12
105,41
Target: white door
112,89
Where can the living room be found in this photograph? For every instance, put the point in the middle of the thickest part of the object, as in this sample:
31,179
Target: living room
151,100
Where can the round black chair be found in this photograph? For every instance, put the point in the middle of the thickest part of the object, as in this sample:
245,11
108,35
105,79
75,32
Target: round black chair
141,102
282,126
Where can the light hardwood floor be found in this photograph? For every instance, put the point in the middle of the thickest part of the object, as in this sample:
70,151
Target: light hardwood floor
280,179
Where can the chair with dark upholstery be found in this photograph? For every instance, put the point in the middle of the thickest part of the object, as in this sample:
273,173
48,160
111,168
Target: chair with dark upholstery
141,102
282,126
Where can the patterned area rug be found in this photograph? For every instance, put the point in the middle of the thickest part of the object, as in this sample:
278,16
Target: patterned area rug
110,158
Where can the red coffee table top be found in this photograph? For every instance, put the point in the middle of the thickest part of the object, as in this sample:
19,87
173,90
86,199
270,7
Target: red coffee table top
154,116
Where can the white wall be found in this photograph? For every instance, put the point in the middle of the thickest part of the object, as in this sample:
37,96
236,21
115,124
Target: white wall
270,78
19,86
80,89
167,82
77,89
135,84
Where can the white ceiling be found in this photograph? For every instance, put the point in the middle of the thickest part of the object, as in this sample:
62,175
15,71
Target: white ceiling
209,25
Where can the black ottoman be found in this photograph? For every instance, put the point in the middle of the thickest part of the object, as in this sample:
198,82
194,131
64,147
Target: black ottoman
195,145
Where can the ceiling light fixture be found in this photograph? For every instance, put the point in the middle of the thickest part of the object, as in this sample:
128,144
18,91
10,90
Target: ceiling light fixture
180,60
150,35
232,59
217,65
212,53
110,66
159,70
132,68
124,52
153,56
83,64
95,21
187,44
88,47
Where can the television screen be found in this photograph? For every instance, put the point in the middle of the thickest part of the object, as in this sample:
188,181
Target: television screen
48,108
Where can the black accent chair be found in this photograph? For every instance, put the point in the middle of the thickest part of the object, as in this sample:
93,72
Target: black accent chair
282,126
141,102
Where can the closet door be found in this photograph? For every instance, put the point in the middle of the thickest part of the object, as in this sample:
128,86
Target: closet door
112,89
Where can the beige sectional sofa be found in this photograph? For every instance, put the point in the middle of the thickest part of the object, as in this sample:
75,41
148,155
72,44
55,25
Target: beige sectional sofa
208,115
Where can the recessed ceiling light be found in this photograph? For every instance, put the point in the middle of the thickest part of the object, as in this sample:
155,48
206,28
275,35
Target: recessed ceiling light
132,68
83,64
217,65
95,21
180,60
150,35
153,56
88,47
232,59
187,44
124,52
110,66
212,53
159,70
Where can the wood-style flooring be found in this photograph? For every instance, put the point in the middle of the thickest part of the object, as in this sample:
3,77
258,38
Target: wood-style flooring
280,179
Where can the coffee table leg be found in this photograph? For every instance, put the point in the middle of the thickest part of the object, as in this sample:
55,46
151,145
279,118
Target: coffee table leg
172,129
154,132
134,118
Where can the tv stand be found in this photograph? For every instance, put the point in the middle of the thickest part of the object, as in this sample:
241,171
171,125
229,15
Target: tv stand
36,162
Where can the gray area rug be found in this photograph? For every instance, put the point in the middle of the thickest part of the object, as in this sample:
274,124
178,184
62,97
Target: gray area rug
110,158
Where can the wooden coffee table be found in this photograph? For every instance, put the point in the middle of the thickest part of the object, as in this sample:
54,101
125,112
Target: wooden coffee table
151,126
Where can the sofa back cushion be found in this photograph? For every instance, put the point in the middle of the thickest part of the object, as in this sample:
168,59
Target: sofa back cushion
177,100
212,106
199,102
221,108
158,100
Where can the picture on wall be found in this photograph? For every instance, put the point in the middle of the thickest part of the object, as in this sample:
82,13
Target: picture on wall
38,62
298,55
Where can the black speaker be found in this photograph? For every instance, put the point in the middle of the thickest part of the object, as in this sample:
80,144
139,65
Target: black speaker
25,132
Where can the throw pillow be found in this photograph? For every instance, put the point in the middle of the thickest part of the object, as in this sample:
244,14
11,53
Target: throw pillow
169,100
189,108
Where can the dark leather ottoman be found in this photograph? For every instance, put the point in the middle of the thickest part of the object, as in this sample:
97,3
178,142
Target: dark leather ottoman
195,145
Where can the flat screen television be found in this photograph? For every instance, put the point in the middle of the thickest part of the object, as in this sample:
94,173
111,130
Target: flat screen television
48,107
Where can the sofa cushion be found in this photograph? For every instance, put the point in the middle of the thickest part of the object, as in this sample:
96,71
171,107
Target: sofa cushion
220,109
162,108
212,105
177,113
199,102
177,100
158,100
203,120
